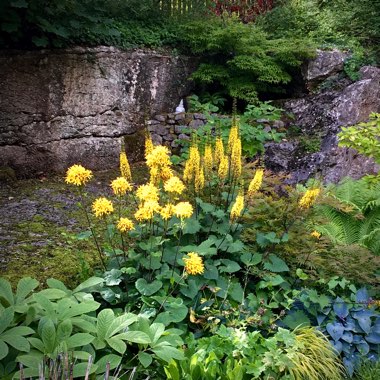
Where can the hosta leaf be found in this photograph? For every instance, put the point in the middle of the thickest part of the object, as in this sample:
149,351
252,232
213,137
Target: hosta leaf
335,330
364,320
348,336
340,308
373,338
147,289
363,348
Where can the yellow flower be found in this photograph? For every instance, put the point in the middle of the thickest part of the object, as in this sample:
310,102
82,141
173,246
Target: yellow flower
147,192
223,168
120,186
208,161
236,158
166,173
233,136
174,185
183,210
148,144
237,207
309,198
159,157
192,164
147,210
256,182
125,169
316,234
193,264
77,175
167,212
219,151
102,207
199,180
125,224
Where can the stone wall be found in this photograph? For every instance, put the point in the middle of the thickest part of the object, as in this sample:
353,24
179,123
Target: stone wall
59,107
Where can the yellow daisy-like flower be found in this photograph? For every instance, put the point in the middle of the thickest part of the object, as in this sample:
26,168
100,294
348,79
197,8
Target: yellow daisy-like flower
125,224
147,192
174,185
256,182
148,144
120,186
167,212
102,207
223,168
316,234
219,151
309,198
77,175
193,264
159,157
125,169
237,208
183,210
147,210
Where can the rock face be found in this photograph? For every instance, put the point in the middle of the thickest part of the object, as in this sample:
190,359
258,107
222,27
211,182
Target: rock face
61,107
321,116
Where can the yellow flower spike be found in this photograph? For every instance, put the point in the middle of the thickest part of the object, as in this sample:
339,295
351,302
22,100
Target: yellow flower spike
120,186
316,234
193,264
183,210
233,136
309,198
167,212
208,161
125,225
237,207
223,168
166,173
199,180
125,169
256,182
102,207
236,158
148,144
219,151
174,185
147,192
192,164
77,175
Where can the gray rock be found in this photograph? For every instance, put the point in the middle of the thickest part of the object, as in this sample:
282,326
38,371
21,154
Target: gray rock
59,107
199,116
153,122
179,128
161,118
182,136
195,124
180,116
326,64
157,139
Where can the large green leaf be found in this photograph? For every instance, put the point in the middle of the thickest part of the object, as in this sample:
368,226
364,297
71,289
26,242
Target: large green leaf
145,359
120,323
17,341
275,264
6,318
147,289
117,344
6,293
79,340
24,287
229,266
48,335
79,309
136,337
3,350
104,320
114,361
167,353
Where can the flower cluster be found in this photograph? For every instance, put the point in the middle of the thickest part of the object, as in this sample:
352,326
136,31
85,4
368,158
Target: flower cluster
125,169
77,175
102,207
174,185
148,192
158,161
256,182
120,186
309,198
237,208
193,264
183,210
125,224
316,234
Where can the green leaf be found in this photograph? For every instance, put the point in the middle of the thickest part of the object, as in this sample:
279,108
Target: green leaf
120,323
37,343
275,264
192,226
113,277
45,304
31,360
79,340
117,344
89,284
148,289
25,286
6,318
136,337
145,359
167,353
17,341
84,235
79,309
6,292
229,266
104,320
114,361
56,284
211,272
53,294
295,319
19,4
40,41
156,330
175,312
236,246
3,350
236,292
48,335
251,259
64,330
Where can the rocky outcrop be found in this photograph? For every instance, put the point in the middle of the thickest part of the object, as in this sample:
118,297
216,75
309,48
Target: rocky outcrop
321,116
61,107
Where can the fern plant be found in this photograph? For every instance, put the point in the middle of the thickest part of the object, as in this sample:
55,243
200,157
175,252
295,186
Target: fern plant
353,214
